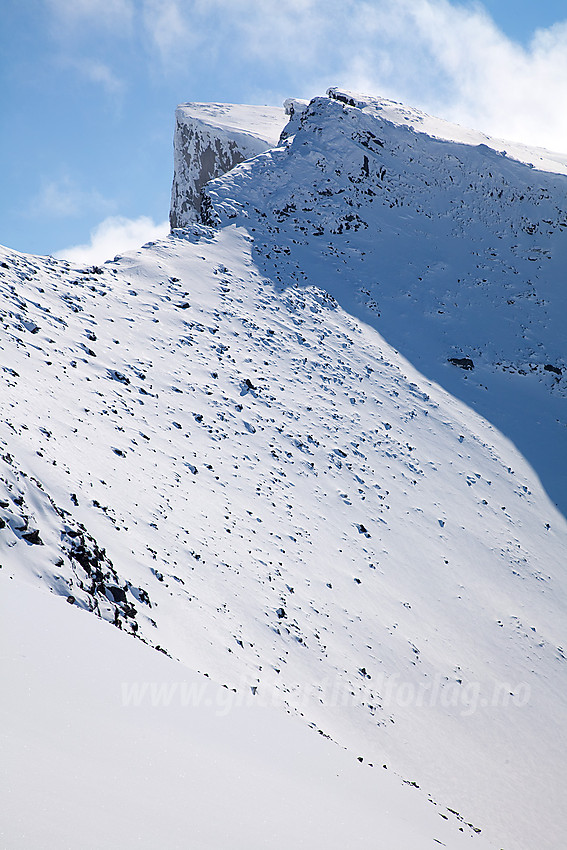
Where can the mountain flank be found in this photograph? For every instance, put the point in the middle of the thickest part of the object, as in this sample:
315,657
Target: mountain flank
311,445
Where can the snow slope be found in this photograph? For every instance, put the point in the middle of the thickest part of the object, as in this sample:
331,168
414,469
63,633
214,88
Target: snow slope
108,744
209,444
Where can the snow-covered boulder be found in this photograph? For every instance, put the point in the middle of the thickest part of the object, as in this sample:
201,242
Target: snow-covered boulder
209,140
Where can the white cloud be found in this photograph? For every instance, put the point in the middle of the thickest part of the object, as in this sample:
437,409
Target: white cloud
99,73
63,197
113,236
84,30
446,58
100,13
458,61
170,31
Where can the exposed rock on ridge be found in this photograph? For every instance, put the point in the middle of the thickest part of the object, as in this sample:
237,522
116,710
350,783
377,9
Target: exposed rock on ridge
209,140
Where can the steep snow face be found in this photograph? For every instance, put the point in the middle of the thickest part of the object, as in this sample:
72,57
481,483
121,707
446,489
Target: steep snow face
235,469
455,252
210,139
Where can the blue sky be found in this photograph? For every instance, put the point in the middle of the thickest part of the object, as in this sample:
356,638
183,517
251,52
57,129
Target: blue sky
88,89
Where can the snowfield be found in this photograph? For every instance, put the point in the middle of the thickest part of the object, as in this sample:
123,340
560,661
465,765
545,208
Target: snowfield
90,759
300,448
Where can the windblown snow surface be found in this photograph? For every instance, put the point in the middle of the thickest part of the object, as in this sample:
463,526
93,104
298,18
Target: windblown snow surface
247,445
108,744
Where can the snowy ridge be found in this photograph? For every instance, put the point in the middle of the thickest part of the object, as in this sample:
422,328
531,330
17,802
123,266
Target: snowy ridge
213,444
210,139
436,128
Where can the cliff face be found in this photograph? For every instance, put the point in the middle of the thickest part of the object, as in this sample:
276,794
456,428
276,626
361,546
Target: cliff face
209,140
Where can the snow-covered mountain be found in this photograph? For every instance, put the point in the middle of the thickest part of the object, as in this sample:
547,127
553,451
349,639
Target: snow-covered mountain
255,446
451,250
